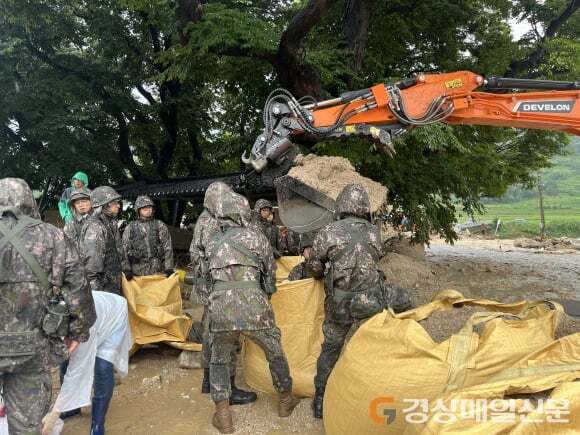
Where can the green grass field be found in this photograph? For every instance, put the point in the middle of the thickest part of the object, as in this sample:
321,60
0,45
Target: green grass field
522,218
519,209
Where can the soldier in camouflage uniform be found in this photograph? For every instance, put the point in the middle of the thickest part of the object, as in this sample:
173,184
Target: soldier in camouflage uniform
205,228
243,271
147,248
100,243
36,258
80,203
346,253
264,218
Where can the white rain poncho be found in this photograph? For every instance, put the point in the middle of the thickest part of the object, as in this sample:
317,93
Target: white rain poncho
110,340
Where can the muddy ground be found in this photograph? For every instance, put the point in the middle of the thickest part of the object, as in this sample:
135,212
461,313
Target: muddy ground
494,269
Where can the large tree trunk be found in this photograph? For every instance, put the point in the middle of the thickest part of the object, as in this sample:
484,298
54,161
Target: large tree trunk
293,72
357,18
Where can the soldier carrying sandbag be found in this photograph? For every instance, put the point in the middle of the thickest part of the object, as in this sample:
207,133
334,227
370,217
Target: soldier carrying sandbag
243,271
206,227
346,254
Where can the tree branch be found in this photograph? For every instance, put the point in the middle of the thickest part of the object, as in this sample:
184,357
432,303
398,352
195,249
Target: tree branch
189,11
298,77
125,153
557,23
196,153
168,114
146,94
531,62
111,106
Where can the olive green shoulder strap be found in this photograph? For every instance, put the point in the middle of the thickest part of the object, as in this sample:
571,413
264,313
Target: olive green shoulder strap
356,237
227,237
12,236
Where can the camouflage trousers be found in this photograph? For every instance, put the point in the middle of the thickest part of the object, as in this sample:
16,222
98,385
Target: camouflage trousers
206,345
221,346
147,266
27,393
335,334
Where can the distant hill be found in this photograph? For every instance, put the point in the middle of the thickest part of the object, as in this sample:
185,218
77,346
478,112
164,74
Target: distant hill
518,209
561,179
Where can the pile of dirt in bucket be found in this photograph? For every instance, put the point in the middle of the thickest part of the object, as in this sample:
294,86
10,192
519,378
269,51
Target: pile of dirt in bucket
330,175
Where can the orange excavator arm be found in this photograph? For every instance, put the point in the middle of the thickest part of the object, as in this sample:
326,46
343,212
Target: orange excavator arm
384,112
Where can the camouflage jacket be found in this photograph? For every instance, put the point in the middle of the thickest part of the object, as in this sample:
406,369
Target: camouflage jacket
346,268
300,271
74,228
147,248
205,228
292,243
100,248
23,298
245,307
272,233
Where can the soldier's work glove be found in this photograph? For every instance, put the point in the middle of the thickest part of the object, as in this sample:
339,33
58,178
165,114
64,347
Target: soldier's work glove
168,272
129,276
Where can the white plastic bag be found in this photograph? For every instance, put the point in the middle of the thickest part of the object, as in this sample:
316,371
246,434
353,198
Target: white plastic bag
3,426
3,420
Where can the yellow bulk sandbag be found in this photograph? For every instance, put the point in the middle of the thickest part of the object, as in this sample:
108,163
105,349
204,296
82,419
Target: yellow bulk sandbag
155,311
392,378
299,310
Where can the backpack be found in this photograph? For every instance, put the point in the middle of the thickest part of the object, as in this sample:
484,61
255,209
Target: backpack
355,304
55,321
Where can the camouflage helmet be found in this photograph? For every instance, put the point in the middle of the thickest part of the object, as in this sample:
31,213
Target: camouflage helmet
143,201
262,203
353,200
15,192
213,195
234,207
103,195
306,240
82,193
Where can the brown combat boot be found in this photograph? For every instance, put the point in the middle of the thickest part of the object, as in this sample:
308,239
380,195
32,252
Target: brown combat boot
286,404
222,419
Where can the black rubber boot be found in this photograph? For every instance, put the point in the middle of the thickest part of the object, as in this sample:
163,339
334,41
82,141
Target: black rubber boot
69,414
317,403
241,397
205,382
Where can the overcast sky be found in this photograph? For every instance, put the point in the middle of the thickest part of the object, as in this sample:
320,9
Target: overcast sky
518,29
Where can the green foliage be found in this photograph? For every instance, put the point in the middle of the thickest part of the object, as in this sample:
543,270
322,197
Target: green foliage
519,208
131,89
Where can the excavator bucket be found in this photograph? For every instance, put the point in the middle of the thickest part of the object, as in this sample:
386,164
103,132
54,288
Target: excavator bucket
302,208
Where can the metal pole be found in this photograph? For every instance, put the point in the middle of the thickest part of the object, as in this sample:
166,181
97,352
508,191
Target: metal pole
542,218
